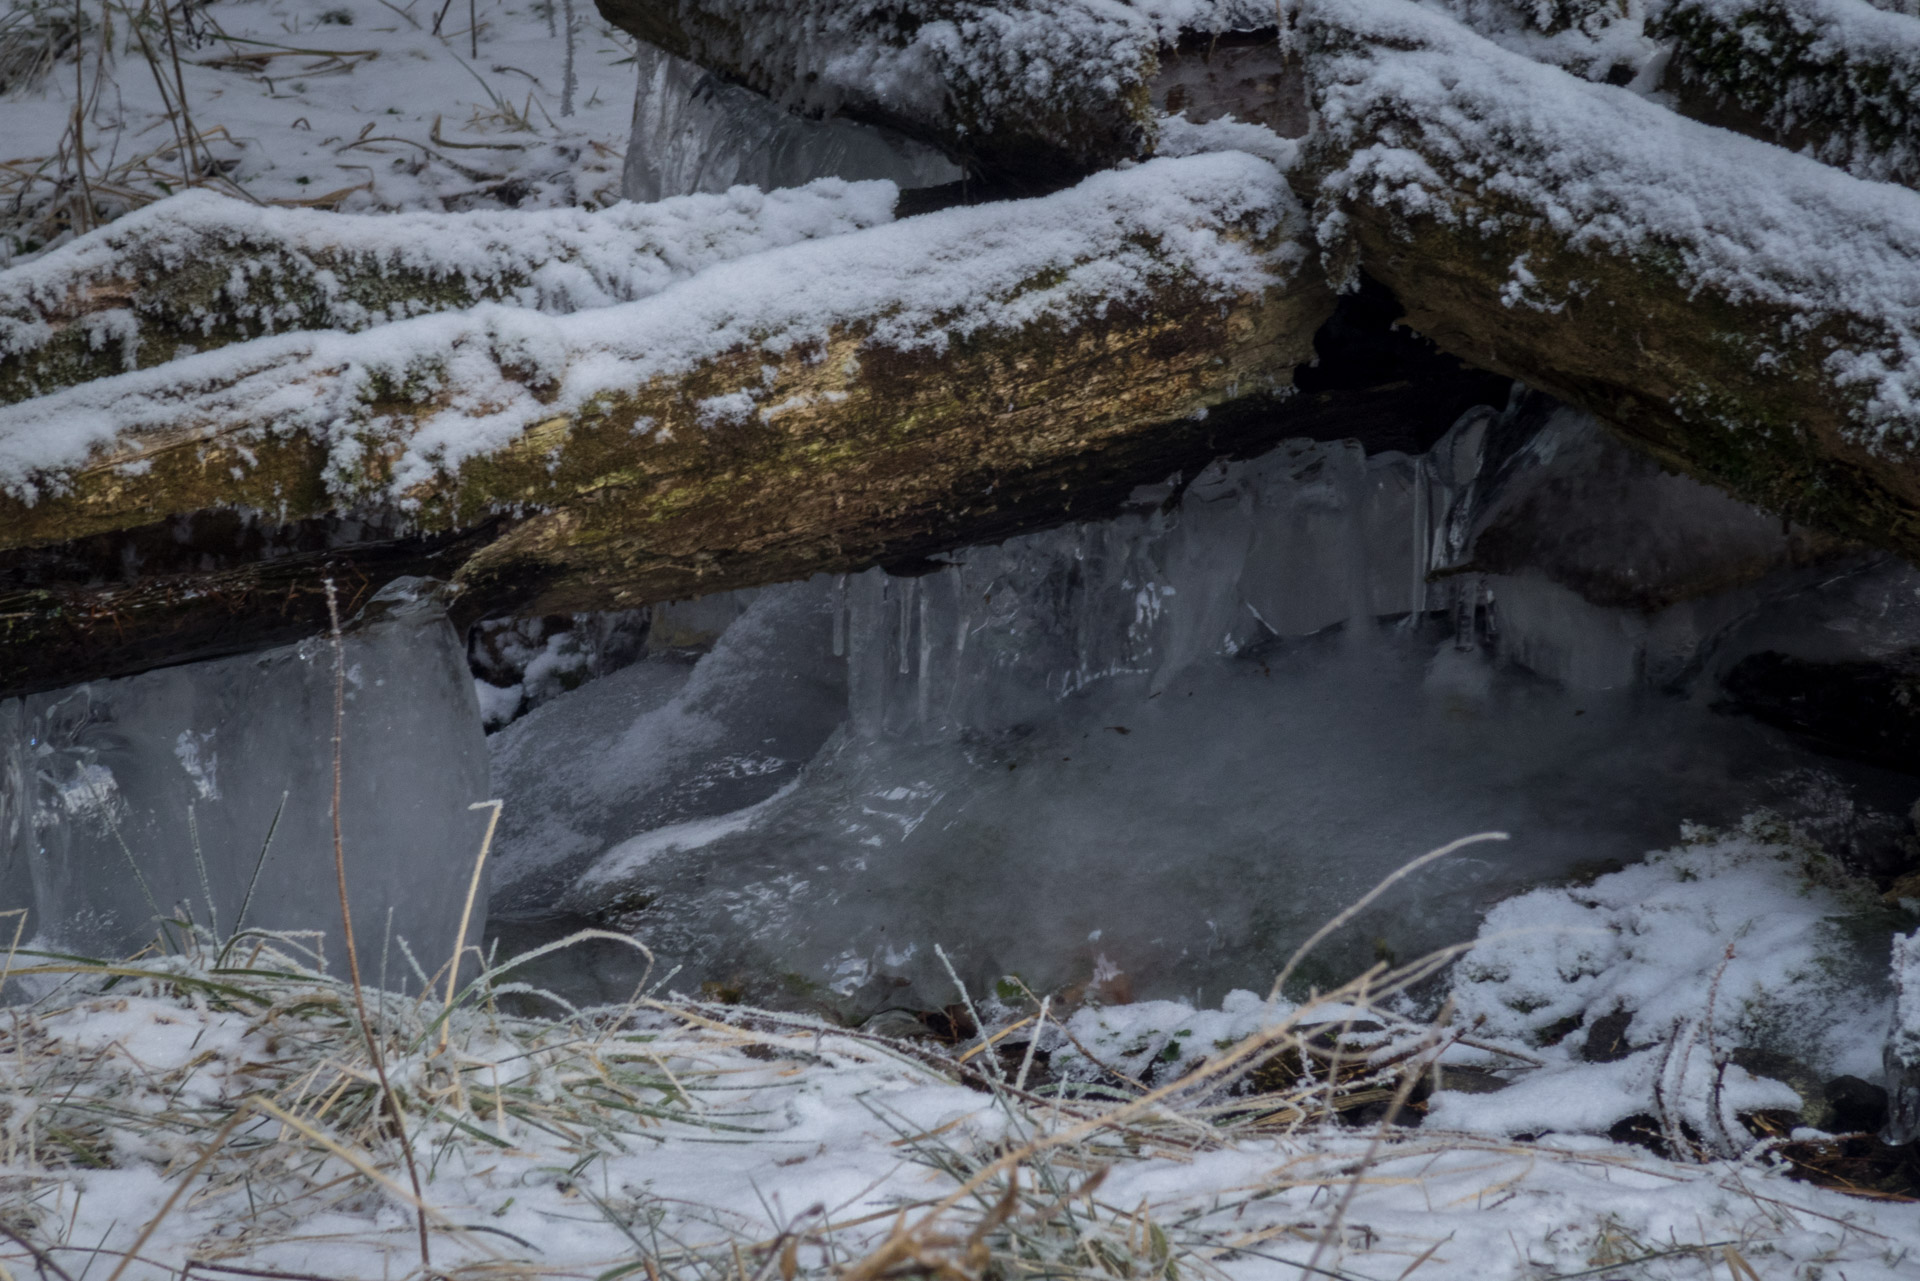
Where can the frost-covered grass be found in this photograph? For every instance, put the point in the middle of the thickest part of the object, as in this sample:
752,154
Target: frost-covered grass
213,1106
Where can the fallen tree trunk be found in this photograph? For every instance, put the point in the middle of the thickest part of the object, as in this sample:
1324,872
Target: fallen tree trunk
885,394
1750,316
200,271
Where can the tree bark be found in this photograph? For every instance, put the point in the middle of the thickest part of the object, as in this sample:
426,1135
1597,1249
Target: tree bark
1031,93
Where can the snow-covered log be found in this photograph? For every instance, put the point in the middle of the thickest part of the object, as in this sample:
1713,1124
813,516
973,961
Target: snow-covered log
199,271
1751,316
883,394
1025,91
1839,78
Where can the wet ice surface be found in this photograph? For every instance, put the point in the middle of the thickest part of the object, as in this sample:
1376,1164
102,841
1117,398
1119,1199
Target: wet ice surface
1183,843
153,795
1152,754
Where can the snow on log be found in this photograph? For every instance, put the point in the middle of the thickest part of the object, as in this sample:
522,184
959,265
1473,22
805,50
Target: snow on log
1837,78
1751,316
1028,91
199,271
892,392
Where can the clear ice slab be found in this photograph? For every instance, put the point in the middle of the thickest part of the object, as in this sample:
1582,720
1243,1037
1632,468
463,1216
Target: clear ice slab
153,795
661,742
693,132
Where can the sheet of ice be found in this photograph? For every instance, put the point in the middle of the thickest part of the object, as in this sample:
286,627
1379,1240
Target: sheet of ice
1902,1062
917,284
694,132
662,743
150,795
1407,90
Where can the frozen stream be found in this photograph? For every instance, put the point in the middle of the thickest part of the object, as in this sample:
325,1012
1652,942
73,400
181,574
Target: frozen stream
1151,755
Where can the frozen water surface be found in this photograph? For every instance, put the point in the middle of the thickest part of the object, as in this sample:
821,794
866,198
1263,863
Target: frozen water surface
1152,754
153,795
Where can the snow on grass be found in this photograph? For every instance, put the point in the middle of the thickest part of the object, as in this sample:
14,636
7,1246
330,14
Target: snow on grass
1419,115
193,1106
1211,221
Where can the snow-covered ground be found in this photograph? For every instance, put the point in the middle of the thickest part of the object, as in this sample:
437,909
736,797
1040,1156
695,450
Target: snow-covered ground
230,1117
354,105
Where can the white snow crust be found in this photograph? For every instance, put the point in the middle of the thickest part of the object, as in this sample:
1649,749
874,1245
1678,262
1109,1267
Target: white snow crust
916,284
1843,62
1000,59
554,260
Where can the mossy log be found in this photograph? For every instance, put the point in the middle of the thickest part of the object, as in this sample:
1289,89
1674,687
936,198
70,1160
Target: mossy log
1745,314
200,271
828,439
1837,78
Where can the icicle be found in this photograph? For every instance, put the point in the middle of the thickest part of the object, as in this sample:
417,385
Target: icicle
910,588
1422,539
1353,498
1465,601
926,664
839,602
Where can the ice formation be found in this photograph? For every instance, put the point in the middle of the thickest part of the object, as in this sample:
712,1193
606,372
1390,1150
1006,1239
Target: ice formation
661,743
1158,749
154,796
1902,1063
694,132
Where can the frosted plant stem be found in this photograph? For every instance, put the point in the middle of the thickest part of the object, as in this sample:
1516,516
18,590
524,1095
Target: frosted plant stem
200,865
394,1111
966,999
466,912
84,210
1026,1061
253,882
569,81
